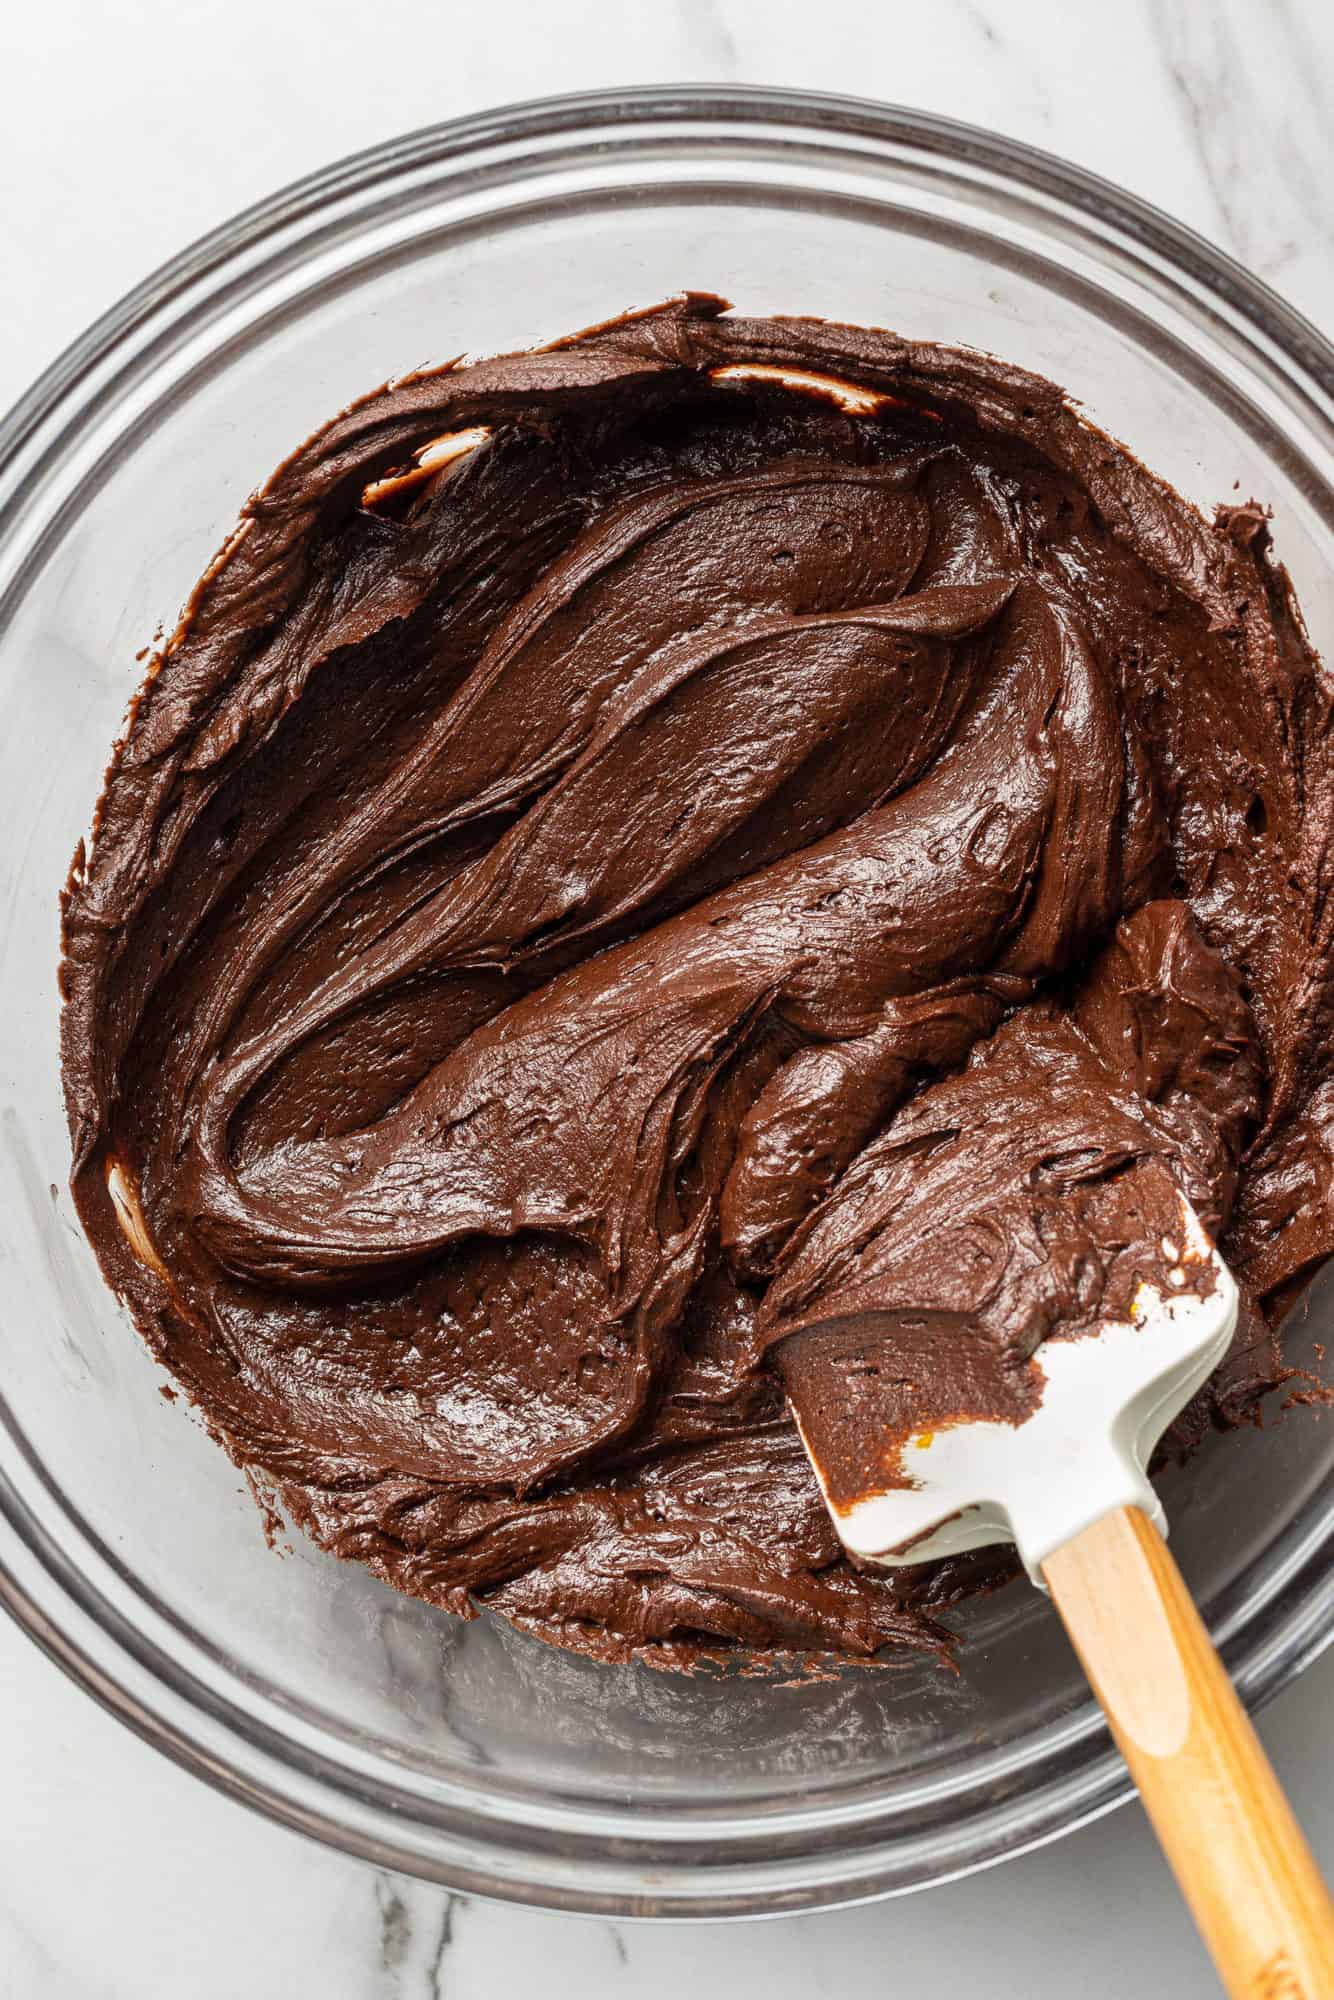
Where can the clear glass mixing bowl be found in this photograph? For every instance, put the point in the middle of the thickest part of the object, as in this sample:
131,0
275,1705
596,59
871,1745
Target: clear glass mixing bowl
128,1546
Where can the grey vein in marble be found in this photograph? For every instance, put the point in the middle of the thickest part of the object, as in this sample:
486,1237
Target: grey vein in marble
707,37
1234,86
618,1945
415,1931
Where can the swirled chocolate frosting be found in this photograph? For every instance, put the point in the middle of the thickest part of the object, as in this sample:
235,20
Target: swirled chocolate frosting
641,849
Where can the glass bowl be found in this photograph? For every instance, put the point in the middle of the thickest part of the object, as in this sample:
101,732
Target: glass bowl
128,1545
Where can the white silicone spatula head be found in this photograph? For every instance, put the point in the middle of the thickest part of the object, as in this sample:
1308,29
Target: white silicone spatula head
1107,1397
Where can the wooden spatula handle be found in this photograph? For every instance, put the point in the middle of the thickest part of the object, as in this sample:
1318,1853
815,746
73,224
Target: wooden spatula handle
1239,1855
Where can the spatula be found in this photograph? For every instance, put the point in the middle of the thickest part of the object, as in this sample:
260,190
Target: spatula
1068,1486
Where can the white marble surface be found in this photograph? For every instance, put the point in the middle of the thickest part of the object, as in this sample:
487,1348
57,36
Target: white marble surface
120,1878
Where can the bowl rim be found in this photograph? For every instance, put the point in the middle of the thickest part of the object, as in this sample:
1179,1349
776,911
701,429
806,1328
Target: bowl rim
177,1712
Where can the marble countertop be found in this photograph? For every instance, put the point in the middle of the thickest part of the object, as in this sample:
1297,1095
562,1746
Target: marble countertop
120,1877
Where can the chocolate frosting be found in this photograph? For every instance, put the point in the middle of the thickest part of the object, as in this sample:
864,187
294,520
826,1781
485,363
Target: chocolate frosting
719,854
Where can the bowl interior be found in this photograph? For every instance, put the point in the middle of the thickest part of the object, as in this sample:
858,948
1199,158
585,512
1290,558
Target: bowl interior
390,1722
